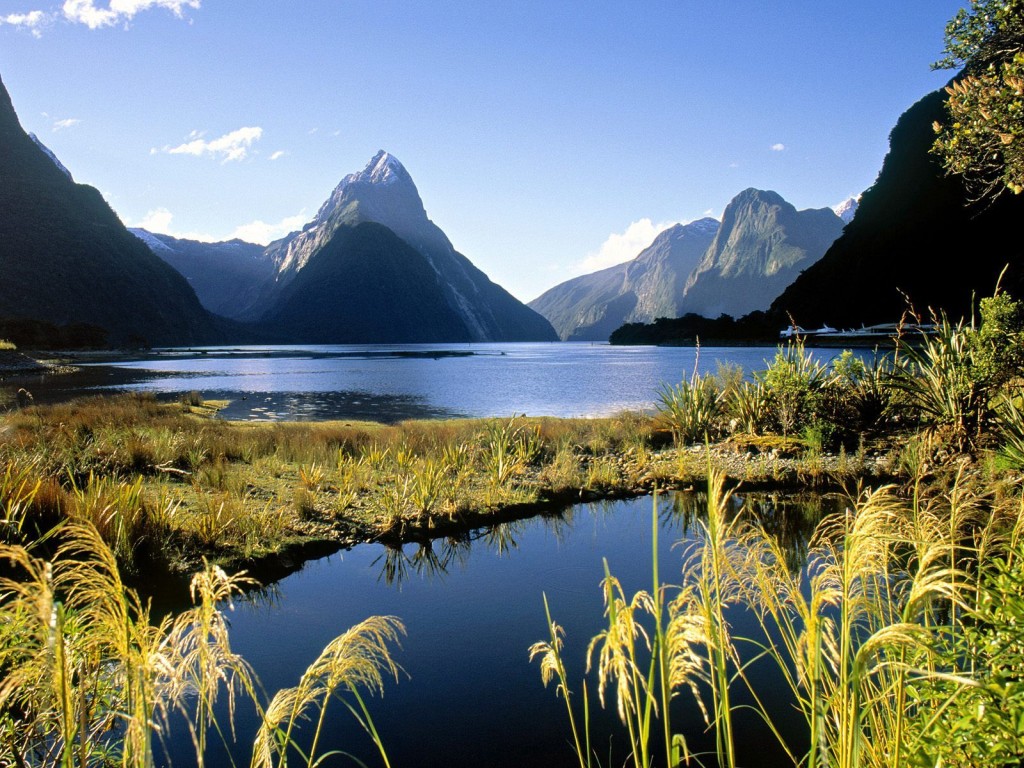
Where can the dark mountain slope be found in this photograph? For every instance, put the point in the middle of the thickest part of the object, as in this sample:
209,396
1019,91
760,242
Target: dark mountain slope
66,258
365,284
915,232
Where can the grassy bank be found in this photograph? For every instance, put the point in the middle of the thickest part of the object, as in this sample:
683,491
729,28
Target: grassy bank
167,481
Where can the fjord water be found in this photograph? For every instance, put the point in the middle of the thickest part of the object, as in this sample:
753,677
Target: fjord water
472,607
394,382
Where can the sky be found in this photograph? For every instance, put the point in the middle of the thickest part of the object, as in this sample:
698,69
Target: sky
547,138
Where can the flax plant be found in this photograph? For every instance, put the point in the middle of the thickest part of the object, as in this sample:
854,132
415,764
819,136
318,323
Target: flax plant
711,568
690,409
883,585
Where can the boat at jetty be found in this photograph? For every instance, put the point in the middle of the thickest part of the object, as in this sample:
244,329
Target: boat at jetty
881,334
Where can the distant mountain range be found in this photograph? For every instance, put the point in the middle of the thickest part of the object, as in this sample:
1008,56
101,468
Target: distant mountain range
706,268
371,267
225,276
590,307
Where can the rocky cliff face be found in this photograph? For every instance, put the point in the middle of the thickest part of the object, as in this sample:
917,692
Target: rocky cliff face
590,307
66,258
761,247
918,235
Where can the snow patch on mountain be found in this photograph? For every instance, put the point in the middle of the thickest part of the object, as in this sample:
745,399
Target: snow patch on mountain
49,153
847,209
155,243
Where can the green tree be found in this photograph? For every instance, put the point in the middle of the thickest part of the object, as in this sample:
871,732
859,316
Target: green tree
983,139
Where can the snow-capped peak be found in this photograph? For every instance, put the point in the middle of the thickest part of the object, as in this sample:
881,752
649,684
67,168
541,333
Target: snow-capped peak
155,243
704,225
846,209
383,168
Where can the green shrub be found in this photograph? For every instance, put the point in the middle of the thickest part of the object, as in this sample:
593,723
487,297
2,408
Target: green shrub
691,409
794,383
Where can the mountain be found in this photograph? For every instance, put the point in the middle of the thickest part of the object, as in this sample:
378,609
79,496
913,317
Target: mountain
590,307
67,259
395,271
226,276
53,158
760,248
847,209
917,232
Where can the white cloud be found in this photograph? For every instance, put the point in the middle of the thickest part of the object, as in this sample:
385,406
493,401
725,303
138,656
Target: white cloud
32,21
230,146
86,11
778,147
69,122
278,155
261,232
157,220
623,246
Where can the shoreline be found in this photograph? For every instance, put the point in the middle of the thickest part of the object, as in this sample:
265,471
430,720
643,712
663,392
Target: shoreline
267,496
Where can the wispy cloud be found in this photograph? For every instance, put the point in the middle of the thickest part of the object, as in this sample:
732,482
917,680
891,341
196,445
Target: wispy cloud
69,122
278,155
623,246
230,146
261,232
778,147
160,220
33,21
116,11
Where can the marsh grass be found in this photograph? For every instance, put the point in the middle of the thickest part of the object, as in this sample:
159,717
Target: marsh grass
91,678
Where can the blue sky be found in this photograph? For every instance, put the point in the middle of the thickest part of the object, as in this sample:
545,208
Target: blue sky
546,138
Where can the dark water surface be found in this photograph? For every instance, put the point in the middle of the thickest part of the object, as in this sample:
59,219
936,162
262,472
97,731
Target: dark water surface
472,608
393,382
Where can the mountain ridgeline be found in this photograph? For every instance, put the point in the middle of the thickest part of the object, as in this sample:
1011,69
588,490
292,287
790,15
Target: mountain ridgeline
701,268
370,267
66,259
590,307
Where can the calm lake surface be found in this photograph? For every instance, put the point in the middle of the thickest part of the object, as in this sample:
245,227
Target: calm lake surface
394,382
472,608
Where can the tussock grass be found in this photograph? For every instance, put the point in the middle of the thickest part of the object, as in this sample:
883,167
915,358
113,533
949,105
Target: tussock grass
899,633
91,678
